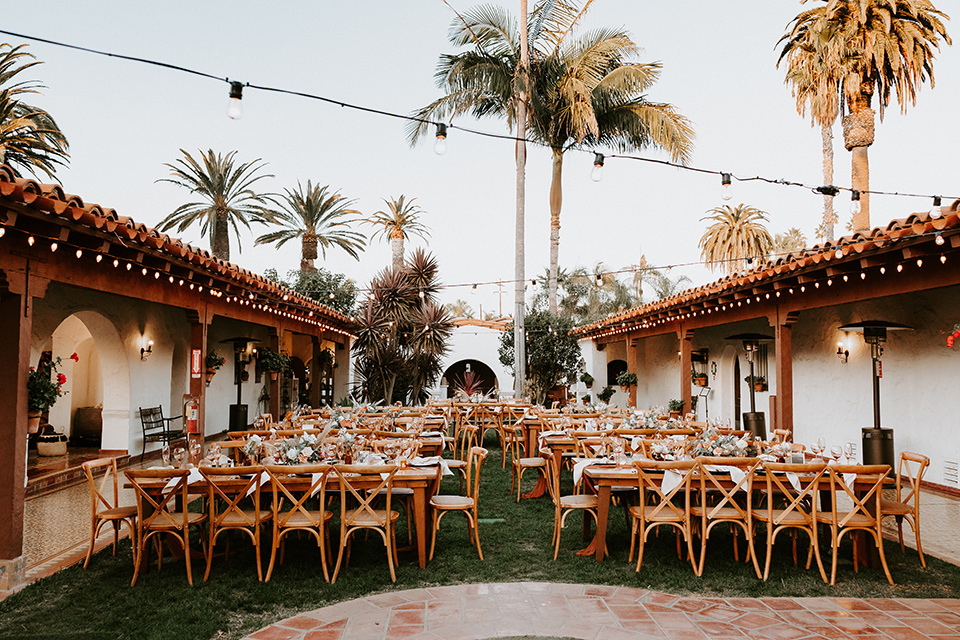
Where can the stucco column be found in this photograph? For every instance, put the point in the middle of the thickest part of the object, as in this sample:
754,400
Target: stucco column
784,364
198,387
315,371
632,367
16,320
686,365
274,343
341,370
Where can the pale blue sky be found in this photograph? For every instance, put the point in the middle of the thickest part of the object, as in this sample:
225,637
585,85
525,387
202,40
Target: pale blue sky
124,120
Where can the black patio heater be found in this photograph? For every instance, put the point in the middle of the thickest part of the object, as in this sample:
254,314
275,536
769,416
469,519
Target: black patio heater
238,412
877,442
754,421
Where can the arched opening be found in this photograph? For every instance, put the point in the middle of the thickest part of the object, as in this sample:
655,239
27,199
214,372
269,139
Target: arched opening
615,368
471,375
96,411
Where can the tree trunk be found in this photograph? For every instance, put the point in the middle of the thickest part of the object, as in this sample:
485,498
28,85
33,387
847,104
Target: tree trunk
396,247
556,201
519,308
858,127
829,217
220,240
308,252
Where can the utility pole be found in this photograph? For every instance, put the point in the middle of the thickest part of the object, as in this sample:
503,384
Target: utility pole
519,350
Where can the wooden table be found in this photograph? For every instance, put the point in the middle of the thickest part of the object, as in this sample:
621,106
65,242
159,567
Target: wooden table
423,481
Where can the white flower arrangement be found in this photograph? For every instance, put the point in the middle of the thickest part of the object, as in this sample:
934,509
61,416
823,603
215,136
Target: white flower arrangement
713,443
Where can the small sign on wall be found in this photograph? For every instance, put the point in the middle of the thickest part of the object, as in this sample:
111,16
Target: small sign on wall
195,361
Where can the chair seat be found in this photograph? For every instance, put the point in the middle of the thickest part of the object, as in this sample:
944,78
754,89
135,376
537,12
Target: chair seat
165,435
895,508
358,518
397,491
858,519
117,513
177,517
234,519
531,462
451,502
578,502
790,519
456,464
723,513
301,519
649,514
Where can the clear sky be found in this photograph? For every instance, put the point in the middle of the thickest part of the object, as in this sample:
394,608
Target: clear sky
124,120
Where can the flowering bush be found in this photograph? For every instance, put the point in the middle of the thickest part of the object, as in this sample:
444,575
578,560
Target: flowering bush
712,443
214,361
43,388
951,337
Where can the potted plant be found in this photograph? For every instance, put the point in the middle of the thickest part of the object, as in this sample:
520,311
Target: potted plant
272,362
676,408
699,378
44,386
586,398
213,362
759,382
587,379
626,379
605,395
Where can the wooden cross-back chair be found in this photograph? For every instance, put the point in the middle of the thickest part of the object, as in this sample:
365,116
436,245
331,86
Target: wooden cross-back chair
469,504
226,511
658,507
291,507
105,505
910,470
360,487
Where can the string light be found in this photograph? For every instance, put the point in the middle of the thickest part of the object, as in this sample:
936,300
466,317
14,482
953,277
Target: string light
53,247
234,104
99,257
30,241
726,191
440,146
597,173
854,202
939,240
935,211
79,253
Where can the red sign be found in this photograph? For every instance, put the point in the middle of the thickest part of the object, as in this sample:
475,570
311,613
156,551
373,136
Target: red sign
879,369
195,358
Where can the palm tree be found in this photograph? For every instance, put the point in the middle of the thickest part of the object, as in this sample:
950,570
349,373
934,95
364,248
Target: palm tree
30,139
315,216
664,286
399,222
789,241
815,71
227,198
460,309
894,43
736,235
580,88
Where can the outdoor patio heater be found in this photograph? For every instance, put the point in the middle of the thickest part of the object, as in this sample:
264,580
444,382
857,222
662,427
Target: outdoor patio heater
238,411
877,442
754,421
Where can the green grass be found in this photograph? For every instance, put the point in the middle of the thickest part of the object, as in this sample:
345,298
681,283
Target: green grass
99,603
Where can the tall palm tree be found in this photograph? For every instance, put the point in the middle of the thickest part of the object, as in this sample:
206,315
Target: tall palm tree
316,217
460,309
579,88
30,139
227,198
789,241
894,43
815,71
736,235
398,222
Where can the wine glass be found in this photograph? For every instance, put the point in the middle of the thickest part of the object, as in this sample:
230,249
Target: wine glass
195,450
165,454
836,451
821,446
178,454
848,451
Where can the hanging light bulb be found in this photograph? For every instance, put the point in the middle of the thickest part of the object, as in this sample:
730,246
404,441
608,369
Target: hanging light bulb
440,146
854,202
79,252
597,174
726,191
234,106
939,239
30,241
2,231
53,247
935,210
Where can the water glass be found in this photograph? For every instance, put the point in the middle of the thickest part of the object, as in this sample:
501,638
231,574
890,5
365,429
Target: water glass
165,454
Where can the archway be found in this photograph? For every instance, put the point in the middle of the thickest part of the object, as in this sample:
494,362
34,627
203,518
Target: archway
477,375
100,377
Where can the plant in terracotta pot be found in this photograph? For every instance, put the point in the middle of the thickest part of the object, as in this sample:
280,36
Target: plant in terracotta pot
699,378
587,379
626,379
213,362
44,386
759,382
605,395
272,362
676,408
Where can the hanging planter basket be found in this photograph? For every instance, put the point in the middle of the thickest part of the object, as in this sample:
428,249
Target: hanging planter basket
209,375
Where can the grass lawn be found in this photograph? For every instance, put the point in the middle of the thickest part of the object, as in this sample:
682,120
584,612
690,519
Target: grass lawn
99,602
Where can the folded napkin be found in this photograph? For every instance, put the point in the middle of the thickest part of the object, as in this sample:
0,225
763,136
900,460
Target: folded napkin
194,476
548,434
262,478
736,473
431,434
671,480
313,480
432,460
520,419
582,463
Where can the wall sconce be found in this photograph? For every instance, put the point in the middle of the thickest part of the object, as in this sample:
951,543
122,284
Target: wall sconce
146,351
843,354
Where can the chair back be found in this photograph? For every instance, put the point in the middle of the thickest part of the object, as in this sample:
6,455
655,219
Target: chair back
282,481
225,495
102,495
719,480
157,506
869,479
364,484
152,421
552,473
651,475
475,459
910,470
781,435
797,500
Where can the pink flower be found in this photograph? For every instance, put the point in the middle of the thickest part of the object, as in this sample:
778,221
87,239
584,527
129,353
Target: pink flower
61,379
75,357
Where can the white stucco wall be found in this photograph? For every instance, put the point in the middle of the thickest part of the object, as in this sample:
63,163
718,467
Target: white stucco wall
472,342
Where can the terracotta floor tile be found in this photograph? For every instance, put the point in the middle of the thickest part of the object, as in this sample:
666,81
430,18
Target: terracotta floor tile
906,633
672,621
406,617
615,633
921,604
755,621
931,627
276,633
646,627
629,612
780,632
324,634
751,604
782,604
302,622
398,631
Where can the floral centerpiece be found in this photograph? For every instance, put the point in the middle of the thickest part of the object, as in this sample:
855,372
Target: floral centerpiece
713,443
44,386
298,450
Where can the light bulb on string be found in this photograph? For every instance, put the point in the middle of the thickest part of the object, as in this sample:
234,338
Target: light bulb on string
939,240
234,105
726,190
854,202
935,211
597,173
440,146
